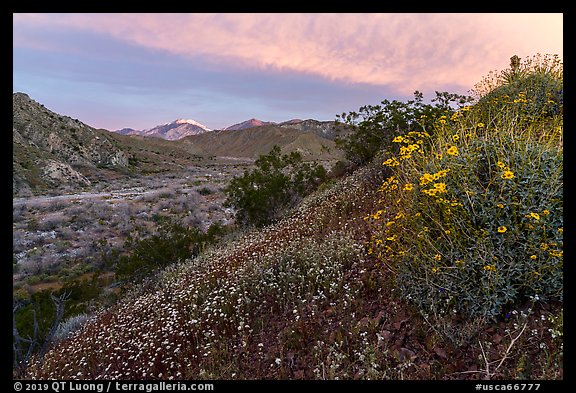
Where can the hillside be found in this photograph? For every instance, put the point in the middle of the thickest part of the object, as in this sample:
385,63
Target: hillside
255,141
325,129
49,149
55,152
297,300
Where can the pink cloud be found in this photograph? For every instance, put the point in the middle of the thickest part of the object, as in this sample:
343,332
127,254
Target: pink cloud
405,51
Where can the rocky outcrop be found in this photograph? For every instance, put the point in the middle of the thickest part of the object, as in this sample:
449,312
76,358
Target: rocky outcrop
57,172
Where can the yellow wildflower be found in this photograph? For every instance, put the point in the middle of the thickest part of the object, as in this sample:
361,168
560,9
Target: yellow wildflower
440,187
426,178
452,150
508,175
556,253
502,229
408,187
391,162
431,192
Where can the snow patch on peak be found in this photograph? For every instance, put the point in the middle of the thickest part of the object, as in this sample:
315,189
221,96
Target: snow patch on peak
193,122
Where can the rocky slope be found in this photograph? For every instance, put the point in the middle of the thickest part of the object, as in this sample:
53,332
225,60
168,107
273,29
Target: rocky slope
50,149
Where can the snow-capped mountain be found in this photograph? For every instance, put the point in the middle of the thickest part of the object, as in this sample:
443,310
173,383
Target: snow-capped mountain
178,129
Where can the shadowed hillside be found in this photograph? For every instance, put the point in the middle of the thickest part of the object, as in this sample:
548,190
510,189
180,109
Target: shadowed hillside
255,141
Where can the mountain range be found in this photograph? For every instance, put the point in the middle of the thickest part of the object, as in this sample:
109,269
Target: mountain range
56,153
182,128
175,130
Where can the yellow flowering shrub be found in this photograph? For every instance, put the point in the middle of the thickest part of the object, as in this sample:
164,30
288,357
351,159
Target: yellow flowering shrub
472,214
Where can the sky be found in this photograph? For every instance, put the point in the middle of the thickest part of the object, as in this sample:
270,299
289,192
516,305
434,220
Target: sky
140,70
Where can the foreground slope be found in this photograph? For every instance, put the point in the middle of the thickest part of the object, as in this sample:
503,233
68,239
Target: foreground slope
300,299
227,300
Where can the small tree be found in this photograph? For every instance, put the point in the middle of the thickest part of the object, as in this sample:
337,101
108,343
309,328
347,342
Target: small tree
279,181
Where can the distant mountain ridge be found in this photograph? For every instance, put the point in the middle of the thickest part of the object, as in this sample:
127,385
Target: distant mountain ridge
248,124
254,141
183,128
175,130
56,153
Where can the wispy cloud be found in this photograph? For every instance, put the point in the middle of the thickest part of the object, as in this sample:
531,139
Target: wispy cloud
402,51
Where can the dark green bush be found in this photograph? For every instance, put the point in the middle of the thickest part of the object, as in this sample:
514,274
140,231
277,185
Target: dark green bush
173,242
278,182
376,125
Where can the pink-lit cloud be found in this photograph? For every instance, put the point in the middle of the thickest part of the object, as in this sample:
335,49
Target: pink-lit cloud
402,51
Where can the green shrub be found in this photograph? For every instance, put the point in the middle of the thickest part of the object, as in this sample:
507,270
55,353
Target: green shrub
374,126
172,243
279,181
474,215
535,86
